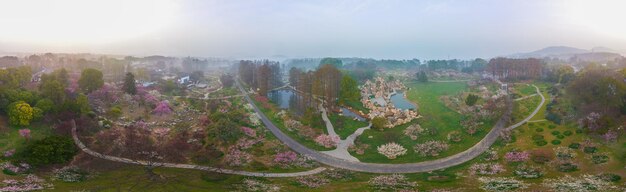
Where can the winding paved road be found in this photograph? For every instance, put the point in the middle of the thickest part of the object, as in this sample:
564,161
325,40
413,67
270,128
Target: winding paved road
426,166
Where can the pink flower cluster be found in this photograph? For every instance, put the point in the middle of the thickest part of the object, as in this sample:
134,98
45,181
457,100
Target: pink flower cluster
19,169
236,157
244,143
9,153
610,136
285,158
25,133
517,156
163,108
327,140
30,183
312,181
248,131
486,169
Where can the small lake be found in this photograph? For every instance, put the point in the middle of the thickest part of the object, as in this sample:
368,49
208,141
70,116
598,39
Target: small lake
400,102
282,97
348,113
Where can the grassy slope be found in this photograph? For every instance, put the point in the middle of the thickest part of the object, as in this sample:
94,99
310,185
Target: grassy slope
435,115
345,126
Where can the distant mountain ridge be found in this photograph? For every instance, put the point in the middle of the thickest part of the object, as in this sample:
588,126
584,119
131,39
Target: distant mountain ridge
596,54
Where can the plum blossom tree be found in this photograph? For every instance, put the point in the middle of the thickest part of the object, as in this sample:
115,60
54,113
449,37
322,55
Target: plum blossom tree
25,133
430,148
327,140
163,108
391,150
517,156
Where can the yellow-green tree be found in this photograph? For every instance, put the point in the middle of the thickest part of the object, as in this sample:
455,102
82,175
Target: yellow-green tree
20,113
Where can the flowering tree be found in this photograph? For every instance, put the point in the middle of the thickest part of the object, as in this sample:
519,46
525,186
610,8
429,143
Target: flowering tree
501,184
248,131
285,158
391,150
253,185
582,183
163,108
471,124
312,181
486,169
517,156
430,148
30,183
413,131
454,136
391,183
591,122
610,136
25,133
236,157
327,140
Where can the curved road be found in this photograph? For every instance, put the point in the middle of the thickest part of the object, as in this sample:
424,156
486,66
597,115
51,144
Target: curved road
426,166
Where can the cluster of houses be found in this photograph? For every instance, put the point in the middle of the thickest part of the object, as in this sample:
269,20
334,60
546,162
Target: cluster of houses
376,96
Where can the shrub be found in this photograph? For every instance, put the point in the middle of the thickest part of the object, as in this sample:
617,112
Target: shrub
501,184
567,133
517,156
537,137
454,136
560,136
555,133
70,174
590,150
254,185
574,146
551,126
327,141
567,167
556,142
312,181
10,169
539,129
391,182
610,177
528,172
391,150
579,131
430,148
50,150
486,169
599,159
30,183
582,183
541,143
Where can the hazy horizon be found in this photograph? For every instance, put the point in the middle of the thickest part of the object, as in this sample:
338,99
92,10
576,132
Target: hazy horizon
256,29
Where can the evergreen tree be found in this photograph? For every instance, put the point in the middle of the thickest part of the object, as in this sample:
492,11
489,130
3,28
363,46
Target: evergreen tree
129,84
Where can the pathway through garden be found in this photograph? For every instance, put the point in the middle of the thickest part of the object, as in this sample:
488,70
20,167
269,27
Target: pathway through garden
341,151
84,148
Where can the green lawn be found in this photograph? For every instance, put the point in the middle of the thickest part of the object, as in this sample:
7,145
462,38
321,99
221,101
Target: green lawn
345,126
271,114
11,139
435,115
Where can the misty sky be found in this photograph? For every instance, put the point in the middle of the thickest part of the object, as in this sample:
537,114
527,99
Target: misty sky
258,28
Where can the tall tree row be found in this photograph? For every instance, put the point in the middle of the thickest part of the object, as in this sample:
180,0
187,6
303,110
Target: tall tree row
262,76
513,69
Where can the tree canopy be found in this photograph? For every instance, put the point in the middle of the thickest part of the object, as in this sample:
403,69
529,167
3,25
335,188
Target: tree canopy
90,80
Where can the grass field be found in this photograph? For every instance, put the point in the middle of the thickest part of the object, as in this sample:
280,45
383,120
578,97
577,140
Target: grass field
345,126
435,115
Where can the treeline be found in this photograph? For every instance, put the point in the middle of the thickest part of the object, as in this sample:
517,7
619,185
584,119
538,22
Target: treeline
326,83
262,75
515,69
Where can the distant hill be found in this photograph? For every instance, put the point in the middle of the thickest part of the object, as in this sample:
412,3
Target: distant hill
596,54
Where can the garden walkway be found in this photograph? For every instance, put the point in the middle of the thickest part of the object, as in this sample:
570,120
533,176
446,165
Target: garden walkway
186,166
341,151
426,166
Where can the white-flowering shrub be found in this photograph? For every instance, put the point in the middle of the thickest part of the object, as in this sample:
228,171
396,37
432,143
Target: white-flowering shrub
391,183
413,131
391,150
253,185
582,183
501,184
70,174
430,148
